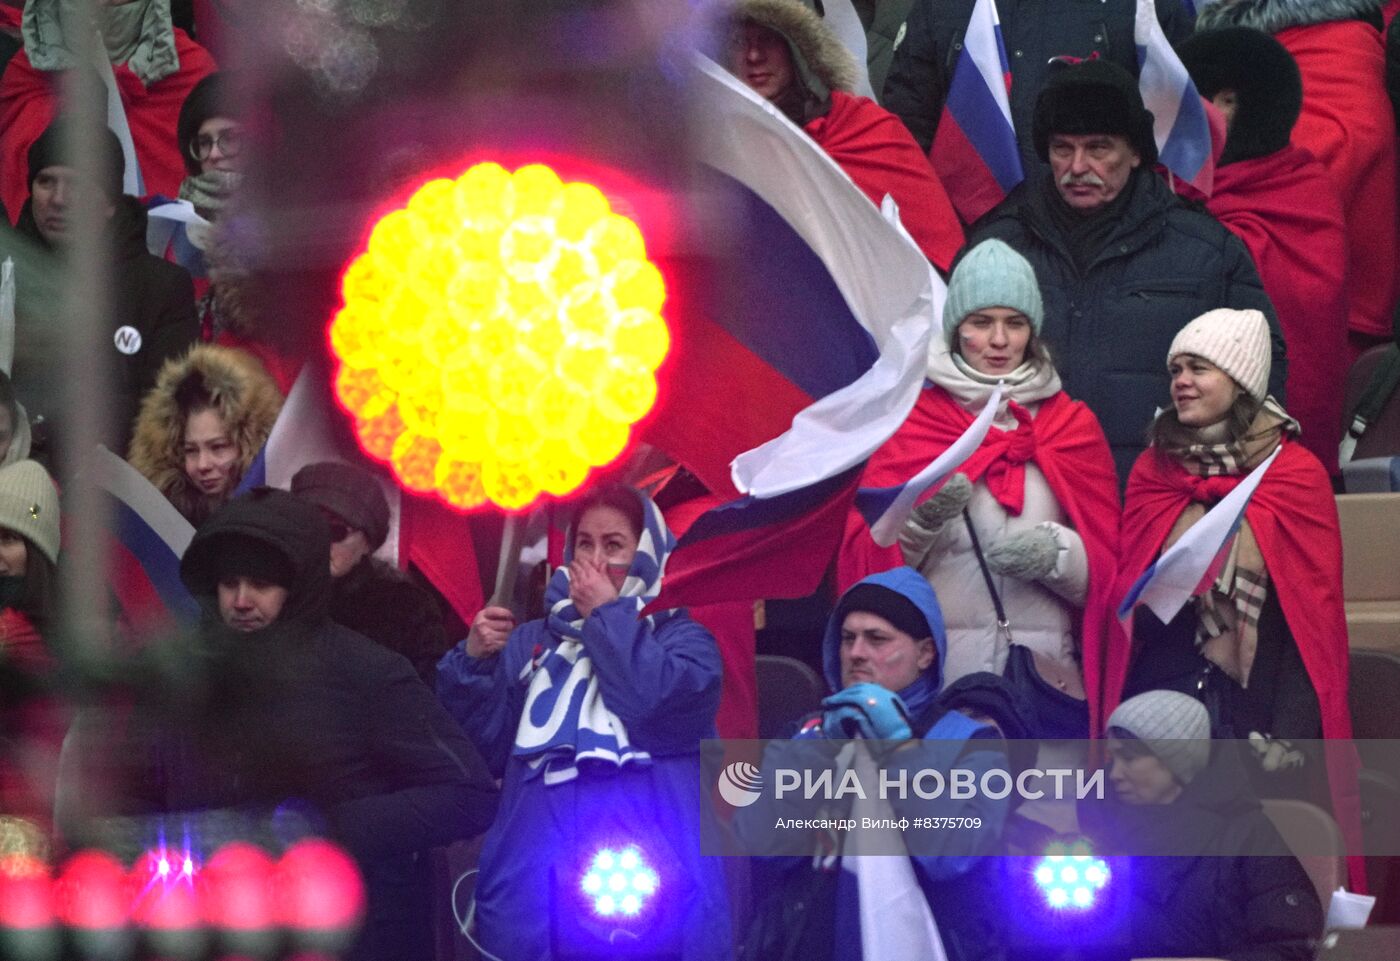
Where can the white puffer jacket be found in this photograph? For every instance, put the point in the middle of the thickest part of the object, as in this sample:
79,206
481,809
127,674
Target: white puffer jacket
1040,613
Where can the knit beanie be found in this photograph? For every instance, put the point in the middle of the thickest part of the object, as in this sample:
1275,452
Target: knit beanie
1172,725
348,491
207,100
991,275
1092,97
1236,341
47,151
29,505
891,605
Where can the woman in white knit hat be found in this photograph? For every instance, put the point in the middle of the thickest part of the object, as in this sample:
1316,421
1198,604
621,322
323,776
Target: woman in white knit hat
29,541
1265,647
1021,544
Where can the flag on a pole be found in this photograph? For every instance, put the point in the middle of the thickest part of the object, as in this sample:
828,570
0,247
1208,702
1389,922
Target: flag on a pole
974,150
1179,122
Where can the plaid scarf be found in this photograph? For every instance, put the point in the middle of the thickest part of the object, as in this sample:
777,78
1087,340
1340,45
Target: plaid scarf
1227,614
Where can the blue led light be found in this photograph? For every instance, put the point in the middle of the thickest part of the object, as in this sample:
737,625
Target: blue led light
619,882
1069,876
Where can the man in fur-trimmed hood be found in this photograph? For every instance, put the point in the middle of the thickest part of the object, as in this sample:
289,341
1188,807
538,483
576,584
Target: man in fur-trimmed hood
1347,123
789,56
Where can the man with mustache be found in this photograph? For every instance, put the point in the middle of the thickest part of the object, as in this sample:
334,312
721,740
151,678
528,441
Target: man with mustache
1122,262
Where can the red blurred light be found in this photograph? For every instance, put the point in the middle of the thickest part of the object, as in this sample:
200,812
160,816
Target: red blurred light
91,892
236,890
317,887
26,892
162,896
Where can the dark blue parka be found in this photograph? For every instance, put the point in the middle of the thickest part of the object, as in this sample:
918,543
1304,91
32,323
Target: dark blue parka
1110,327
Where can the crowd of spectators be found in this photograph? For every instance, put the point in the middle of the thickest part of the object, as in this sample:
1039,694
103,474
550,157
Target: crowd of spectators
1153,346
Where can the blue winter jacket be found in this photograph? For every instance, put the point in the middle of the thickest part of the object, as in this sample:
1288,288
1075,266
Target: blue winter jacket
943,858
664,685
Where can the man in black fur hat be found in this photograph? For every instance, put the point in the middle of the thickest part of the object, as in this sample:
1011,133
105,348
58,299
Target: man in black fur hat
1122,263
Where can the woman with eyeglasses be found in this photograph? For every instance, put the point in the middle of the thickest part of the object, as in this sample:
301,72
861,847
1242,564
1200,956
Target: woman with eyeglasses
201,426
211,144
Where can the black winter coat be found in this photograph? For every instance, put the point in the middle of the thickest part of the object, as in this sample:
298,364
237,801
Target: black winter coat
151,319
1034,31
1109,330
381,603
1220,882
310,713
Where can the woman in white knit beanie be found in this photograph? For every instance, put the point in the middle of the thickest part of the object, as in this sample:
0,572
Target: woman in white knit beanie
1265,646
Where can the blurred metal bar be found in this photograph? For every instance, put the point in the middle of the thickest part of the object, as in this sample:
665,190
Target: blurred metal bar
87,367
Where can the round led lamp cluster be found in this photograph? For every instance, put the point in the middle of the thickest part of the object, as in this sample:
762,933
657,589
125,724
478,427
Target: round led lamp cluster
1069,876
500,335
619,883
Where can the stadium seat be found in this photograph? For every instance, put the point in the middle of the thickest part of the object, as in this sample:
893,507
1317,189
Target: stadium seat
788,691
1382,437
1370,576
1308,829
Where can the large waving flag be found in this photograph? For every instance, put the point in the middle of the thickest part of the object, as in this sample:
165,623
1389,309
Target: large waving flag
1180,126
974,150
149,537
1191,565
802,359
887,509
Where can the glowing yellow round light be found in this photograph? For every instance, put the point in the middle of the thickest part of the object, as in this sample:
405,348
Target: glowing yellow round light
500,335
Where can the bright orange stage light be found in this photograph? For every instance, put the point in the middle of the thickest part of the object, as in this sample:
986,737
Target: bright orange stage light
499,336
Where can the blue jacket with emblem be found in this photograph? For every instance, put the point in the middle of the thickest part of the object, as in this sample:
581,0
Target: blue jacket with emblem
663,683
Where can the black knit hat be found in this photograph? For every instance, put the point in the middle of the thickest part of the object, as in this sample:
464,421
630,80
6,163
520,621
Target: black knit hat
1092,97
208,99
47,151
349,492
1268,87
891,605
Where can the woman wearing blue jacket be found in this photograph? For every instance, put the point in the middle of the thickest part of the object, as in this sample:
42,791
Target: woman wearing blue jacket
594,716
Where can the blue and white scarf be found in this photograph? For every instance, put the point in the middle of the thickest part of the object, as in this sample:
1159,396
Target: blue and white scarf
565,720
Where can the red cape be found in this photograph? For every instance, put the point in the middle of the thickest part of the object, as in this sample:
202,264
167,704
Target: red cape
1348,124
28,98
1294,518
1066,442
1285,209
876,151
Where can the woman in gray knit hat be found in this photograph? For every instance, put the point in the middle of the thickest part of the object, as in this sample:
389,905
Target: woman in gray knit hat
1203,871
1020,542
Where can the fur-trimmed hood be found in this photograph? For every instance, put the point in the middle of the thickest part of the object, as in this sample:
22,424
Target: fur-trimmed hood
812,42
243,393
1271,16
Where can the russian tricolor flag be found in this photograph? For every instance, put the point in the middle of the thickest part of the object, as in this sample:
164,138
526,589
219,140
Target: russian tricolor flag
974,150
887,509
820,325
1180,126
1191,565
150,536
